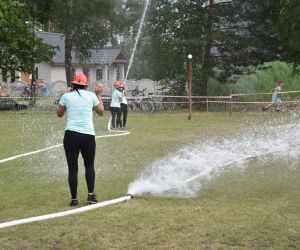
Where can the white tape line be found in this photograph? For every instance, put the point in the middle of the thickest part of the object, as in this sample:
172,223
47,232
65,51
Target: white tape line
65,213
59,145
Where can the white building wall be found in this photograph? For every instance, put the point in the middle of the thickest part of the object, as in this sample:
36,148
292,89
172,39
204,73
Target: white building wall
105,73
52,73
112,74
58,73
44,72
122,72
92,75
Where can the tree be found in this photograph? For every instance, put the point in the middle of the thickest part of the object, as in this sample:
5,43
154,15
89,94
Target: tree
244,36
286,20
84,25
228,35
20,50
207,49
174,29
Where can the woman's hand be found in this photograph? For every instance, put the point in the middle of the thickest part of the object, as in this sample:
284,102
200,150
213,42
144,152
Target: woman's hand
99,89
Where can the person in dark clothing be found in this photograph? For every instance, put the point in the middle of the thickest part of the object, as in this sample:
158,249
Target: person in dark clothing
124,107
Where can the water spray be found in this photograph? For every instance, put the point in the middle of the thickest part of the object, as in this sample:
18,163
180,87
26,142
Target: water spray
195,177
183,173
137,39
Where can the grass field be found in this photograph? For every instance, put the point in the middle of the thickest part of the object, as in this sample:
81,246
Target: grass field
256,208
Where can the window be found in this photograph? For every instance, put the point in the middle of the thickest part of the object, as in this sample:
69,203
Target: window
12,76
99,74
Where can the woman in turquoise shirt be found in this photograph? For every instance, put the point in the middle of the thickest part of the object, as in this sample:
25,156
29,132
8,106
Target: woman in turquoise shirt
115,106
79,136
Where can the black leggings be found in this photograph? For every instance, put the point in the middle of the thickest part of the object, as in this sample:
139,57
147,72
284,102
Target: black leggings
74,143
124,111
115,112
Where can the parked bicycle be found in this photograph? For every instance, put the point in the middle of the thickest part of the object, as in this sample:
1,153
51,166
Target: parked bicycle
140,101
163,101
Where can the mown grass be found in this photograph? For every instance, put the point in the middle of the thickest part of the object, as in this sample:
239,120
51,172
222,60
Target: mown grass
257,208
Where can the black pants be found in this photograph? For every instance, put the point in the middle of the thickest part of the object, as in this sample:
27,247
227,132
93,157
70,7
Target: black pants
74,143
124,112
115,113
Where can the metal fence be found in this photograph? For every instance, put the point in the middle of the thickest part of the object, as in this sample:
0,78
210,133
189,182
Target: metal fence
17,95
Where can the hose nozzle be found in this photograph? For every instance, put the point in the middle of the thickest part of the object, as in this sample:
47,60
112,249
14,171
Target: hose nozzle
131,196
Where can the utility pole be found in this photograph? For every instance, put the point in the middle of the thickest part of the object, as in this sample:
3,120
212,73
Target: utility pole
190,56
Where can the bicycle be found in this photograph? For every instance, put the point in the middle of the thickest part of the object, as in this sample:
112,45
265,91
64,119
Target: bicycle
162,100
140,101
167,102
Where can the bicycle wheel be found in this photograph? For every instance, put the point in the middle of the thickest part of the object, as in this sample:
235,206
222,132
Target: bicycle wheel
147,105
168,104
131,106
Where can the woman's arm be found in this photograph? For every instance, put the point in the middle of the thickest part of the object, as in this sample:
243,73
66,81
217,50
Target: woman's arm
60,111
99,109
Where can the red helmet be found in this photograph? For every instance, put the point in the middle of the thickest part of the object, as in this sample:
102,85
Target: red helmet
119,85
280,84
80,79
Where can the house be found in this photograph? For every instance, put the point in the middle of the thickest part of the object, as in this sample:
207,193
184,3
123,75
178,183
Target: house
106,65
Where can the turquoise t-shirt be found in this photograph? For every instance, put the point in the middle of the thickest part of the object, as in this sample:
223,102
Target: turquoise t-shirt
80,110
116,99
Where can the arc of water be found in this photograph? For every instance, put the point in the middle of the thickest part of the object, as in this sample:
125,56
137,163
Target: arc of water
224,165
137,39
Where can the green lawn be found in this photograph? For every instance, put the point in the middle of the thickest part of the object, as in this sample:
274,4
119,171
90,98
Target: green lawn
257,208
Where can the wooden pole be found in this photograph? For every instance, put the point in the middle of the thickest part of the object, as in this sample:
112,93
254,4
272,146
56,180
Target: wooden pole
207,104
190,88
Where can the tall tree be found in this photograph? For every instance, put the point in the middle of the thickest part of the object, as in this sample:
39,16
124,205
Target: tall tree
207,49
244,36
124,20
84,25
175,29
229,35
286,20
20,50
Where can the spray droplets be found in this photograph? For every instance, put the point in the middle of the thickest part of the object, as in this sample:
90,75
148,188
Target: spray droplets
182,174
